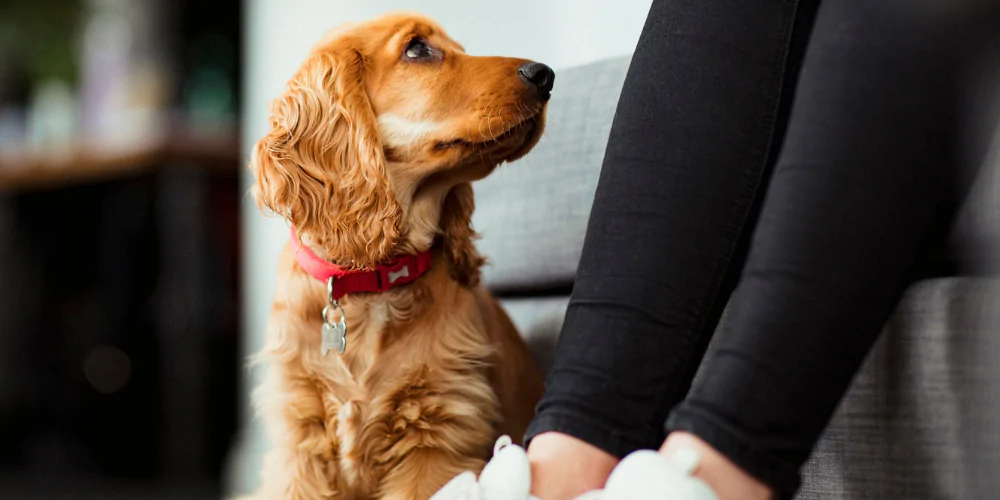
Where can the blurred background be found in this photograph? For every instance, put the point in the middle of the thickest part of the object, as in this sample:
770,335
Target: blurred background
119,246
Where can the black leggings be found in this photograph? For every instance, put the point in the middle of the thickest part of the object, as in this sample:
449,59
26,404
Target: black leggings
785,158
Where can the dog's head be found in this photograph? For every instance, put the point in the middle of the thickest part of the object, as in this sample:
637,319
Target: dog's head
375,138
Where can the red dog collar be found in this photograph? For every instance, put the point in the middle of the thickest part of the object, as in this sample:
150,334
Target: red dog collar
401,271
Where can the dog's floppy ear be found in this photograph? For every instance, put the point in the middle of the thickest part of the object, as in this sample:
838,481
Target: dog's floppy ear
322,165
458,237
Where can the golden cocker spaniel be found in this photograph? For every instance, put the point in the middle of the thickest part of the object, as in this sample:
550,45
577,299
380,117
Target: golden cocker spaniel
390,368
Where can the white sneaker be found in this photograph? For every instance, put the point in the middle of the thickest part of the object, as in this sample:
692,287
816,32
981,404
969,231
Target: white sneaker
506,477
648,475
643,475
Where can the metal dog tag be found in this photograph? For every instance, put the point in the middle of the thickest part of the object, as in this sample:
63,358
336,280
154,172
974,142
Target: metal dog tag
334,332
335,336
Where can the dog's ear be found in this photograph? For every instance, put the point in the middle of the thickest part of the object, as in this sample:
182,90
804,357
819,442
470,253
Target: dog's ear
322,165
458,237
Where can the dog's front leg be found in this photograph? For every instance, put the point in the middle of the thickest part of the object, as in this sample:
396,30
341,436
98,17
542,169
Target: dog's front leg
424,471
428,431
302,464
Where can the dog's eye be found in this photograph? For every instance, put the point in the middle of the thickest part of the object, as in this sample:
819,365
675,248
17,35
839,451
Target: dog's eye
418,49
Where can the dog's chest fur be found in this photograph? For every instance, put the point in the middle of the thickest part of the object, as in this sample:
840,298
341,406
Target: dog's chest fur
387,395
410,393
349,384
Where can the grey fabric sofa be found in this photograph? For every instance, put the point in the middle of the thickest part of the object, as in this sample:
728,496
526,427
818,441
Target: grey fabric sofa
921,420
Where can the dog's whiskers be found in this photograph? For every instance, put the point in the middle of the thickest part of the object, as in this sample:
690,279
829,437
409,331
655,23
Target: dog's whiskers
487,114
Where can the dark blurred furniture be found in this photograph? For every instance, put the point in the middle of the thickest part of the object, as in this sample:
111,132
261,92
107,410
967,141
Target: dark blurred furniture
119,280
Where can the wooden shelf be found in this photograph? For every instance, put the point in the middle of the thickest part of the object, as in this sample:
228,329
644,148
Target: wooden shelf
88,163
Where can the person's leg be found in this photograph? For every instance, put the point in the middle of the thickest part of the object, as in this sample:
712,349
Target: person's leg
866,159
697,127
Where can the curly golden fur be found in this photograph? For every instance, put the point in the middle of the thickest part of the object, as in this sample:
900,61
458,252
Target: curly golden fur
370,155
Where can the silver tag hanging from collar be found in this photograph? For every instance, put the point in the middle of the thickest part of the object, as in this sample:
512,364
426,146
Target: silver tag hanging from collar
334,332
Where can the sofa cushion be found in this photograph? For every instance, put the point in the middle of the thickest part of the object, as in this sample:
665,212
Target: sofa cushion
539,321
919,420
975,235
533,213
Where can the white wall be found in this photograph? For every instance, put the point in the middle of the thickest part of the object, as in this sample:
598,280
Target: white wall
279,33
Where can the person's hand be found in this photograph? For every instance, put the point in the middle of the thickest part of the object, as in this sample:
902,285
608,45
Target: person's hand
564,467
720,473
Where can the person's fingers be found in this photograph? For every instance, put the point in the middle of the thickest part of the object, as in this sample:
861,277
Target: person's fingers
564,467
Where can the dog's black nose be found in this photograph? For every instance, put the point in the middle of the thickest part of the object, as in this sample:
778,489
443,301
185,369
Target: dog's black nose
538,76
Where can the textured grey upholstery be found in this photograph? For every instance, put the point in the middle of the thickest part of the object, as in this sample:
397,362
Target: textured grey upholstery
533,213
918,423
977,227
922,420
539,321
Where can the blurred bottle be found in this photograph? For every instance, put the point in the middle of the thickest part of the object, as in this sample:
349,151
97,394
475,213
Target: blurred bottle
52,118
13,95
125,81
12,126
